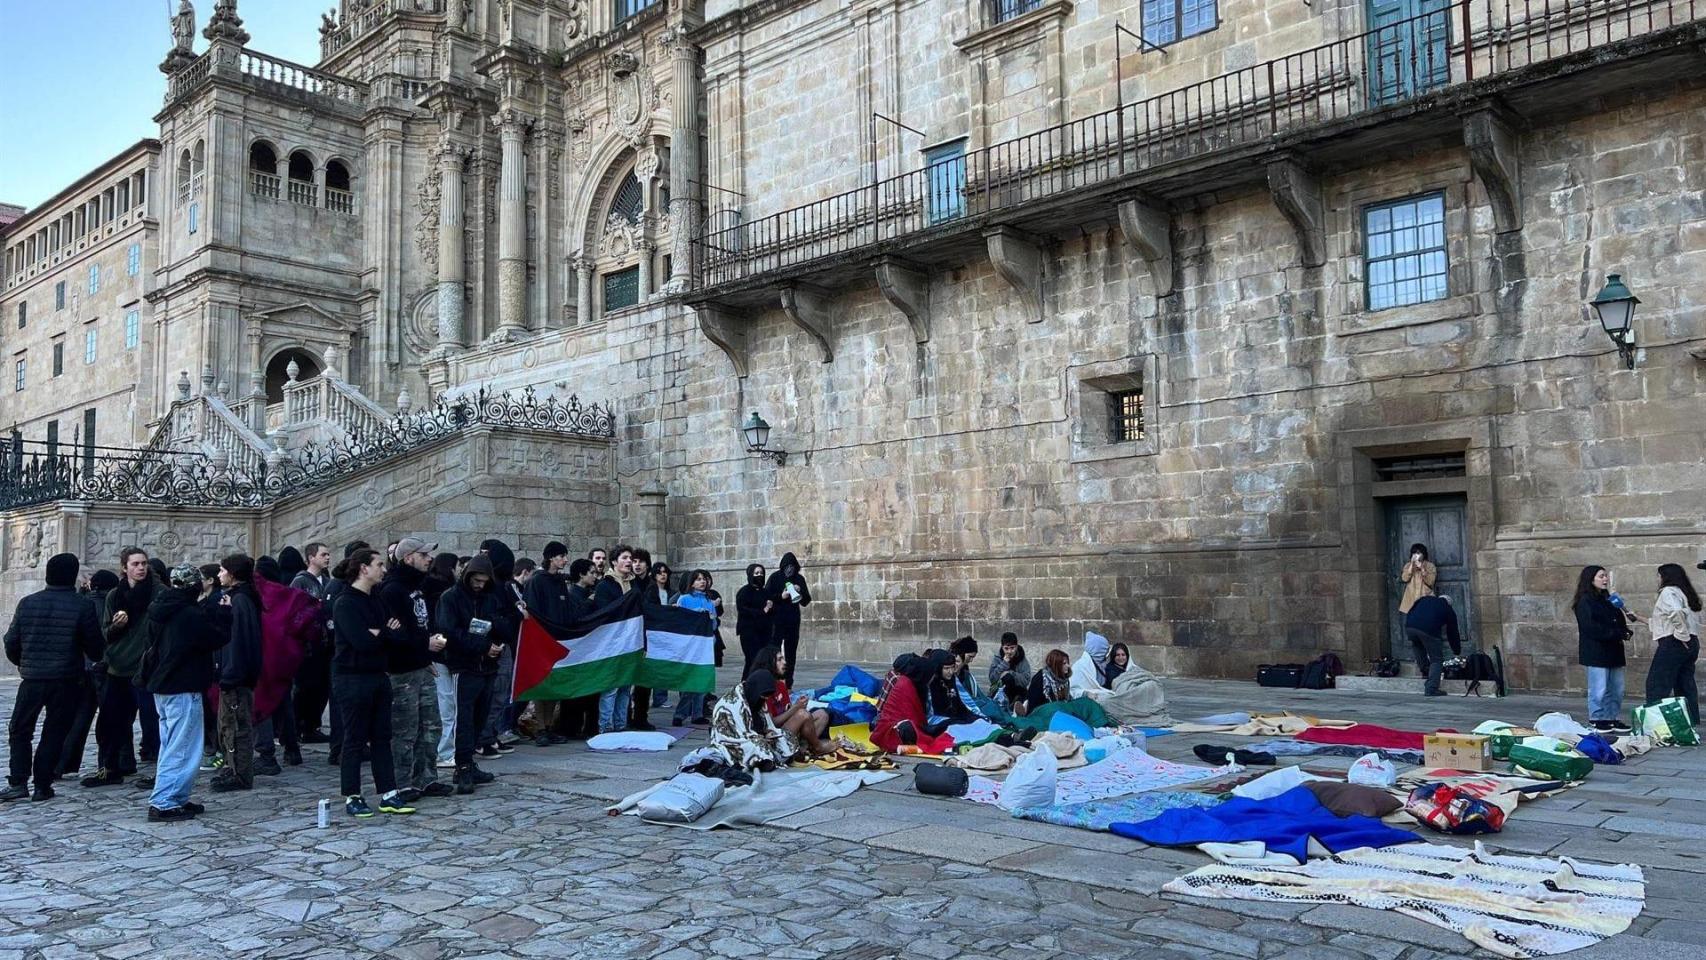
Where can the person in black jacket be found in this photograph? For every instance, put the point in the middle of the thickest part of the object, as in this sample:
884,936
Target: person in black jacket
126,632
547,596
440,577
53,631
1430,624
415,725
470,615
366,636
101,583
1601,629
238,674
752,611
177,667
578,717
787,593
613,704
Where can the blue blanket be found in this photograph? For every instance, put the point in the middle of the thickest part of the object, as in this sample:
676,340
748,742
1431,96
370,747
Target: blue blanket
843,711
1285,823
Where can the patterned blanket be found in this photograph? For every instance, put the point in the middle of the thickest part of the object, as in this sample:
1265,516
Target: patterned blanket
1131,770
1097,814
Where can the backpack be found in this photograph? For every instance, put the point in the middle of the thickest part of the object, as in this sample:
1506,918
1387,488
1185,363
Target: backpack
1481,667
1319,674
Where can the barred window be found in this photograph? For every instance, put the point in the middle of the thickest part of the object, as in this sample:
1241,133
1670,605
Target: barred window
1125,415
621,289
1165,21
630,200
1404,251
1001,11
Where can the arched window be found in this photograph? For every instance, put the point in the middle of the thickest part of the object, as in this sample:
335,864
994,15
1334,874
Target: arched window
629,202
338,196
302,179
263,170
183,178
277,373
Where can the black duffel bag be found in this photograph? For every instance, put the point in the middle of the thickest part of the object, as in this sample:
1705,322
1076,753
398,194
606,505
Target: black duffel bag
940,780
1280,675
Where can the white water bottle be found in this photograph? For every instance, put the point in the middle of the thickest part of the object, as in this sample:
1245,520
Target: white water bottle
325,814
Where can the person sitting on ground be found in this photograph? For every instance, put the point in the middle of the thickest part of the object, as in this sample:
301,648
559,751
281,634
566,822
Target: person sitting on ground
1090,670
1010,674
946,707
901,725
965,682
741,728
1119,658
1053,683
791,713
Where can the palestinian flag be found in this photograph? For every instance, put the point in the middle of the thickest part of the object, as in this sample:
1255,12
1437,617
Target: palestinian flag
625,643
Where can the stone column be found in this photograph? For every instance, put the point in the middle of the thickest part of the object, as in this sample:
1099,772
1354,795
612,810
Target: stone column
512,225
583,289
647,249
257,383
450,250
684,162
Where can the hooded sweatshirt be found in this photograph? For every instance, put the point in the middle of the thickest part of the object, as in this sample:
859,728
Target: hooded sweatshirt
457,608
787,612
242,663
358,648
503,581
181,641
290,563
126,643
401,594
753,624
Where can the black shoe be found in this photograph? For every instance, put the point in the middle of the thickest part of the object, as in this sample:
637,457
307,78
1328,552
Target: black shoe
43,792
226,786
146,757
143,783
267,768
406,795
701,721
14,792
157,815
293,756
502,747
481,776
436,789
642,725
195,809
489,752
315,736
357,807
465,780
102,778
334,758
1619,728
557,738
1433,693
542,741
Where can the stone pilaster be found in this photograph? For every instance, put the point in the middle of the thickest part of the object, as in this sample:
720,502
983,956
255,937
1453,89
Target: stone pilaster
451,299
583,289
512,224
684,162
647,249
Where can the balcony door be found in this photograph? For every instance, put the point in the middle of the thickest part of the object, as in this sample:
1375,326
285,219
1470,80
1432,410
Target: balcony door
1409,44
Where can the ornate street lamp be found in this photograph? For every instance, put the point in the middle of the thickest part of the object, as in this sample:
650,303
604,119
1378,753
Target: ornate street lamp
1615,306
757,432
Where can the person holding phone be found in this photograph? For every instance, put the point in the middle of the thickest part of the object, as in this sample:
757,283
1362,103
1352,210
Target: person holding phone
466,616
1418,577
1602,629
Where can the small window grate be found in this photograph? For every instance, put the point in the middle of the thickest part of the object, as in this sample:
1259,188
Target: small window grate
1428,467
621,289
1125,415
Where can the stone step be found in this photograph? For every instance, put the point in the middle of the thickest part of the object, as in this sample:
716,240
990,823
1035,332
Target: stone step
1410,685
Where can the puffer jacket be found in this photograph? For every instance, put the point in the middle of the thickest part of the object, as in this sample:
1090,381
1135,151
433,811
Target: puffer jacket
52,631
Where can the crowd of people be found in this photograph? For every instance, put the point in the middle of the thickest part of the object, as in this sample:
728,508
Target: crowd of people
405,654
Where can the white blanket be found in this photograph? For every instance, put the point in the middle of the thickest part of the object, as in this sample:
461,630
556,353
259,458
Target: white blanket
772,796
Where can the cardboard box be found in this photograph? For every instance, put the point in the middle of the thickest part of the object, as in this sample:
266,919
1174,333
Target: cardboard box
1457,751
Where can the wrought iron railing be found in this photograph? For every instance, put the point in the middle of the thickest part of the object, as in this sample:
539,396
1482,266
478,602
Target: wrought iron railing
166,477
1384,67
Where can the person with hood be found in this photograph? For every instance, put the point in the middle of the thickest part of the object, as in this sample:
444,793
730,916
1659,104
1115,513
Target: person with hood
613,704
101,583
901,725
547,597
753,608
314,676
415,724
291,626
1601,632
364,636
238,675
53,632
787,593
441,576
470,616
499,732
177,667
945,707
121,699
290,564
1010,674
267,568
1090,670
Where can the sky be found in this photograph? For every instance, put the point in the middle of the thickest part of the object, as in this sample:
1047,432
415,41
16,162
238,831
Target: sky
80,79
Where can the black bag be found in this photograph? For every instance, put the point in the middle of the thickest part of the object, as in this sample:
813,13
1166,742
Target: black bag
1482,667
940,780
1386,667
1280,675
1321,671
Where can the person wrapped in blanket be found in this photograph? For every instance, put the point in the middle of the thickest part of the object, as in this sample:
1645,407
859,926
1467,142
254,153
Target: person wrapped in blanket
903,724
741,730
788,713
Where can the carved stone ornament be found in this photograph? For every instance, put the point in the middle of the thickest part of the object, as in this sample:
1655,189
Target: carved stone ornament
225,24
621,237
183,39
575,28
647,166
631,95
426,228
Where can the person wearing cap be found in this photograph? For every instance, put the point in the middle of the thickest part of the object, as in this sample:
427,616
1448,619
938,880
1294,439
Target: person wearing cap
176,667
52,632
415,723
547,597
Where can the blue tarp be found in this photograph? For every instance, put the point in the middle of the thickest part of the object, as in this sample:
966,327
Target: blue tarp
1285,823
843,711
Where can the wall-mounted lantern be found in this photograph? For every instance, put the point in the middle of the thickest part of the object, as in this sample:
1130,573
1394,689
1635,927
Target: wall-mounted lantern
1615,306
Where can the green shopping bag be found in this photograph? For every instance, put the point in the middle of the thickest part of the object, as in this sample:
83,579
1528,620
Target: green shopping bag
1546,759
1666,722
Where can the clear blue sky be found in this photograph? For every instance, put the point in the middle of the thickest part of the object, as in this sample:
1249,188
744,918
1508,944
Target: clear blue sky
80,79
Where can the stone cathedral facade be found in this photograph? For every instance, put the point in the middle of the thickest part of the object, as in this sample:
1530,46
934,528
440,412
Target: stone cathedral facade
1176,320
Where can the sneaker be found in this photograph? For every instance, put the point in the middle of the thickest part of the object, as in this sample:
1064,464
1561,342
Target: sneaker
214,762
293,756
406,795
43,792
357,807
489,752
1433,693
315,736
393,803
465,780
436,789
1600,725
103,778
157,815
504,747
557,738
14,792
223,785
701,721
143,783
642,724
195,809
1619,727
447,764
267,768
481,776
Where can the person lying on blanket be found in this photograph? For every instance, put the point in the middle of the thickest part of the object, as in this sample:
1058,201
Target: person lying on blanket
790,713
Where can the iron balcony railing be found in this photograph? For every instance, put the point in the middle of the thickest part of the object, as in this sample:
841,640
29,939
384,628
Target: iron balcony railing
1453,43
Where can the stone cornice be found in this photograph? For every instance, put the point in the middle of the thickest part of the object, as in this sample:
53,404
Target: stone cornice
740,19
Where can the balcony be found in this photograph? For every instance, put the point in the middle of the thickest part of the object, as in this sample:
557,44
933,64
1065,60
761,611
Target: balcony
1367,96
264,185
360,24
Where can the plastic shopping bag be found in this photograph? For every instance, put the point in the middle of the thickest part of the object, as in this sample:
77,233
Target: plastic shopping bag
1032,782
1667,723
1372,770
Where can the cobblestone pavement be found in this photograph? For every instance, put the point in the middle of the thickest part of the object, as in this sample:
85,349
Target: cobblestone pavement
532,867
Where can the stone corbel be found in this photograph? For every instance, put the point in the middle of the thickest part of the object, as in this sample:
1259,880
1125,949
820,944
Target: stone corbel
907,288
1297,193
1019,261
724,328
808,307
1148,231
1491,137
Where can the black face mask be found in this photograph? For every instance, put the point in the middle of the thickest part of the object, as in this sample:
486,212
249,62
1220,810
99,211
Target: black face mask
756,579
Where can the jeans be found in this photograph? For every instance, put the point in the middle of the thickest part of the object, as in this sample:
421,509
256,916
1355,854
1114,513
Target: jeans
414,728
1605,693
58,699
497,715
115,748
1430,656
1672,674
282,722
689,706
613,710
445,683
237,734
473,703
180,749
364,709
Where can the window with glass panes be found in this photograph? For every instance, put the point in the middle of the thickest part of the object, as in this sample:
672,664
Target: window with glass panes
58,358
59,295
1404,251
18,380
23,314
132,329
1001,11
133,259
94,278
1125,415
1165,21
621,289
89,346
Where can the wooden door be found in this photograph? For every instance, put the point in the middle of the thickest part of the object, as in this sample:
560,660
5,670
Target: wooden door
1408,48
1442,523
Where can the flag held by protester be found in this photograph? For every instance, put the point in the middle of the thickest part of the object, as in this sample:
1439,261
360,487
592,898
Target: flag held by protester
625,643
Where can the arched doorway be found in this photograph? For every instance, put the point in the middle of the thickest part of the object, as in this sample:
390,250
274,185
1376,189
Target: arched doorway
308,368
